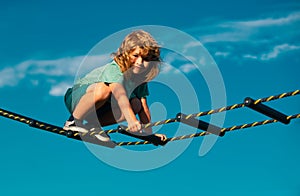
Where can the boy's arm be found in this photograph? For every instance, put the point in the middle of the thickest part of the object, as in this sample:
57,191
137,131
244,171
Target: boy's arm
119,93
145,118
144,115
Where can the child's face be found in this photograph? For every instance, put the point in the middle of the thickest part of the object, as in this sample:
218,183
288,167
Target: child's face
139,62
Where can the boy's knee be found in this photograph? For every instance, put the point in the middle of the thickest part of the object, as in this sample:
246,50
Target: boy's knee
101,91
136,105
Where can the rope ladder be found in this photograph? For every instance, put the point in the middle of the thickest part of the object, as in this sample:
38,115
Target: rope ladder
188,119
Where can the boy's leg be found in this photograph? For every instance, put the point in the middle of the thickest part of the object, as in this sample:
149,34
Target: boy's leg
96,95
112,115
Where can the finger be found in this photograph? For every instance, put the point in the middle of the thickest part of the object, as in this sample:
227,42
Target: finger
138,126
134,129
164,138
161,137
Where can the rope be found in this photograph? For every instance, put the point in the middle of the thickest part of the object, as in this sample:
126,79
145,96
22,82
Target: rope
210,112
32,122
236,106
233,128
47,127
90,135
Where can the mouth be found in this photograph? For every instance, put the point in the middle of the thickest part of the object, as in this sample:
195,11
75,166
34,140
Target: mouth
138,69
138,66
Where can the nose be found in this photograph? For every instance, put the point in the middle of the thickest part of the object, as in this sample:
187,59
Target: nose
139,60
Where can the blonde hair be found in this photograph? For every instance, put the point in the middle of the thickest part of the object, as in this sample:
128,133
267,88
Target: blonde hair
150,48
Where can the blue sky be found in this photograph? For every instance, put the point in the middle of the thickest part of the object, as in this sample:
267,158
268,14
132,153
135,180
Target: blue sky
255,46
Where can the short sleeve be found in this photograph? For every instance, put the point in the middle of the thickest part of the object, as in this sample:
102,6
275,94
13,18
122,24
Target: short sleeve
111,74
140,91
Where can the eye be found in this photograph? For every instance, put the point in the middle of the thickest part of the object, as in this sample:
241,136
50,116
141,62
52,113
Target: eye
150,58
135,55
145,57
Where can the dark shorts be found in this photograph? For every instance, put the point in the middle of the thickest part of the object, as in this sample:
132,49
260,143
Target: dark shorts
73,95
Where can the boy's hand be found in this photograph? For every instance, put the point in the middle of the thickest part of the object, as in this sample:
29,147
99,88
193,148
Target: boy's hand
162,137
135,126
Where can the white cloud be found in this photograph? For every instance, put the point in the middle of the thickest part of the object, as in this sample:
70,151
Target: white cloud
170,69
277,50
63,68
232,36
189,45
222,54
192,53
171,57
274,53
258,39
186,68
294,17
9,77
12,75
59,89
166,68
170,60
236,31
250,56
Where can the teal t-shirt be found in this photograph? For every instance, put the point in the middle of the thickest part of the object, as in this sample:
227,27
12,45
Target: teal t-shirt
111,73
